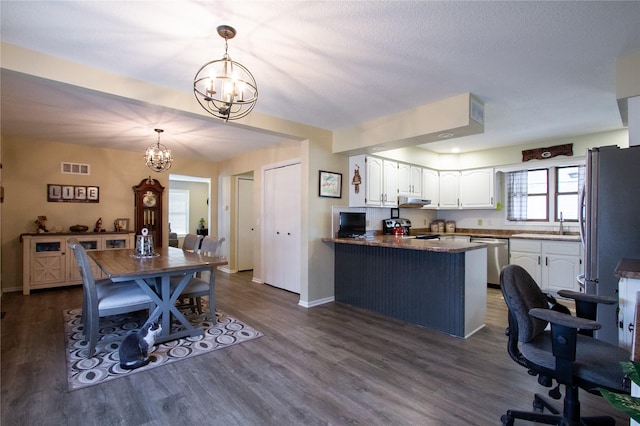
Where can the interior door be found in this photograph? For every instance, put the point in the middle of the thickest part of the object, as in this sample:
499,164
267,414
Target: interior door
245,225
281,248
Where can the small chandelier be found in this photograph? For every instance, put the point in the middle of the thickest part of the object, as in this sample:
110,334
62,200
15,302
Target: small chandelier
157,157
225,88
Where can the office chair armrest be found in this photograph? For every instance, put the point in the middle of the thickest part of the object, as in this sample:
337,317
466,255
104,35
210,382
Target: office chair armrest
564,319
591,298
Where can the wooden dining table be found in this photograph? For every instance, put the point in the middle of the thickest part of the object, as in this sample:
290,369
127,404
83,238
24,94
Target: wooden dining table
153,275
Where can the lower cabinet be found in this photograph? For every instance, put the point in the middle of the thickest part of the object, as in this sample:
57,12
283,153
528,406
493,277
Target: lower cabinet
46,261
554,265
627,294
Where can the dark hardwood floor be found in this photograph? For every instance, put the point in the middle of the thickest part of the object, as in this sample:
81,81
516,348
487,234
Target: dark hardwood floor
331,364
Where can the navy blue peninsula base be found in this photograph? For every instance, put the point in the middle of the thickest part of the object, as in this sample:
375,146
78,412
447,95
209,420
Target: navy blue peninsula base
439,285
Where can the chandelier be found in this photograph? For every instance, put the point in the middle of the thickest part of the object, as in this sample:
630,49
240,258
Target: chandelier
157,157
225,88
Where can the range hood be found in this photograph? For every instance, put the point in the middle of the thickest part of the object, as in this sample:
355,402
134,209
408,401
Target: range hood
408,202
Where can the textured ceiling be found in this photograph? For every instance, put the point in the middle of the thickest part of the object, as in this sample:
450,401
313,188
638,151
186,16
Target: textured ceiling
543,69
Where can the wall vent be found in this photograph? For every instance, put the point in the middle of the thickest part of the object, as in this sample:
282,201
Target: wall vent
75,169
477,111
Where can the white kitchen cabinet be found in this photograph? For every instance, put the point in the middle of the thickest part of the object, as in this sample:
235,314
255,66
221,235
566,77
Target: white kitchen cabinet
554,265
562,263
409,180
390,183
378,182
628,289
47,263
449,190
477,189
282,239
431,187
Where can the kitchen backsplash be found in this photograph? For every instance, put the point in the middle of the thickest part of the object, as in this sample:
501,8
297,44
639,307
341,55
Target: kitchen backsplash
468,219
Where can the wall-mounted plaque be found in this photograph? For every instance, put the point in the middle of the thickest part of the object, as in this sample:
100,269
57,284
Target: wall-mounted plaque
73,193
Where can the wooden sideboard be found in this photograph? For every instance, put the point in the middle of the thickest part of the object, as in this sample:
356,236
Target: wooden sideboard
47,263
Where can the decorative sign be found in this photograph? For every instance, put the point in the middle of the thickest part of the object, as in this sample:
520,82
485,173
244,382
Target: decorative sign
73,194
546,153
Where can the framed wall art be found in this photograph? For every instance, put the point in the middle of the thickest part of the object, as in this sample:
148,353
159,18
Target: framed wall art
121,224
73,193
330,184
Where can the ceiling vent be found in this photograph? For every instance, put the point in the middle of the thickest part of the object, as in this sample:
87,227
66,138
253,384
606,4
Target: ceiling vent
75,169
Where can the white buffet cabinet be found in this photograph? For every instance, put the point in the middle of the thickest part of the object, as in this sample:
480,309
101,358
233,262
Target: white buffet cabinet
47,262
554,265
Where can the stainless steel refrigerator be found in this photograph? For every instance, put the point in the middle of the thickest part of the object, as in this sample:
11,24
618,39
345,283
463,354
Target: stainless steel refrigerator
609,224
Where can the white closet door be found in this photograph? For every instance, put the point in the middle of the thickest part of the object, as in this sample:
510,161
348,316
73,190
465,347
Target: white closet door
281,250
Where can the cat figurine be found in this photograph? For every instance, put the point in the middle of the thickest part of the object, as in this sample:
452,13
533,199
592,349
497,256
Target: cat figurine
134,350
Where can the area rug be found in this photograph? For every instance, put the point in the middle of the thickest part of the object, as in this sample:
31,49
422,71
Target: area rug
105,365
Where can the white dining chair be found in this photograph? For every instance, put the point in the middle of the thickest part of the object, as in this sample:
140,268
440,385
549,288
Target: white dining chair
104,297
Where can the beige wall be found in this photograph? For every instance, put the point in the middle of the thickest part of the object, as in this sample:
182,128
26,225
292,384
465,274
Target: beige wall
28,166
508,155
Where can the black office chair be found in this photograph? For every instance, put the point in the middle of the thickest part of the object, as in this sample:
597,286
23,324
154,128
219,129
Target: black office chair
566,354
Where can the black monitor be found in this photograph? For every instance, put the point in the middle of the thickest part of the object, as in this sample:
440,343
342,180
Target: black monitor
352,224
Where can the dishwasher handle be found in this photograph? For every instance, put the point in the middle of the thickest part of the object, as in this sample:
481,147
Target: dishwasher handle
490,241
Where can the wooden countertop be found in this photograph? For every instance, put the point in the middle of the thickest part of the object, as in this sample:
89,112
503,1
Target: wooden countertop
400,242
628,268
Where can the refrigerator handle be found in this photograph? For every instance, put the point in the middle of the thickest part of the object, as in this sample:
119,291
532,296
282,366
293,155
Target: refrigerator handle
582,212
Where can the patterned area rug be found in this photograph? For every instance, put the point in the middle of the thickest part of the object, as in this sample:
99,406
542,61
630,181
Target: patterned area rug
105,365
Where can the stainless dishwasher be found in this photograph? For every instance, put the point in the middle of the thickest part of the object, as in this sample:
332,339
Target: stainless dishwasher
497,257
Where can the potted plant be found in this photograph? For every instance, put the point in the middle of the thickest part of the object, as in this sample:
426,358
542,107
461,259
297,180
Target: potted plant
201,225
629,404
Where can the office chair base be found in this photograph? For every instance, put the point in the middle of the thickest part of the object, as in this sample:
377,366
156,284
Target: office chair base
554,418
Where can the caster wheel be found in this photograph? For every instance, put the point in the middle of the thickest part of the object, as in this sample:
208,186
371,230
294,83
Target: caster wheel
538,407
506,420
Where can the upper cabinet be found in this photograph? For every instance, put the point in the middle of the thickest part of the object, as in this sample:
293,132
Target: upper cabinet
431,187
377,182
409,180
468,189
477,189
374,182
449,190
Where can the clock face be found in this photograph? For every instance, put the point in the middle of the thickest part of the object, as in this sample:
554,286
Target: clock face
149,199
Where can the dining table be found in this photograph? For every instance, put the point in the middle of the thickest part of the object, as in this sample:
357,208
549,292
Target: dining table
153,274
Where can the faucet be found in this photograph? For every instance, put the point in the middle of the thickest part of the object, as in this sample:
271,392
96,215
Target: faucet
560,230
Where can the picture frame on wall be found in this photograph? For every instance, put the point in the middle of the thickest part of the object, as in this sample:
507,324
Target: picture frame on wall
330,184
57,193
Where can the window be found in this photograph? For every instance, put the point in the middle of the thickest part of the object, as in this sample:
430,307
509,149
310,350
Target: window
568,184
179,211
527,195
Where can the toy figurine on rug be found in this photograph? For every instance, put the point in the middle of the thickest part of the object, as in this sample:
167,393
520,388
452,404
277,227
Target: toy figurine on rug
41,223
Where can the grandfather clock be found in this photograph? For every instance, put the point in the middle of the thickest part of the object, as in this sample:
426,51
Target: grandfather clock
148,208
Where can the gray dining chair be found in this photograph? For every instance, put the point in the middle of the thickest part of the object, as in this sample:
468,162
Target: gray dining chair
199,285
191,242
103,297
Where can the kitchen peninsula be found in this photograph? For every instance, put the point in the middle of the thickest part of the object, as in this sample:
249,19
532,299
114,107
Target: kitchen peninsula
441,285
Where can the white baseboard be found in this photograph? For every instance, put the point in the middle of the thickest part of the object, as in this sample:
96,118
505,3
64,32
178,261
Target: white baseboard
318,302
